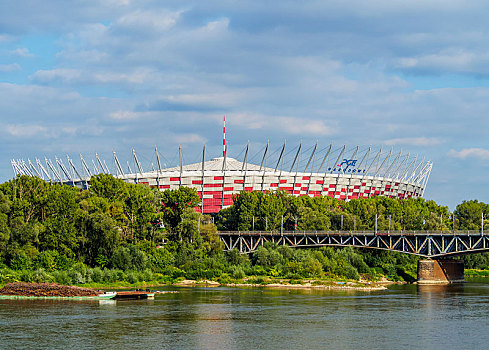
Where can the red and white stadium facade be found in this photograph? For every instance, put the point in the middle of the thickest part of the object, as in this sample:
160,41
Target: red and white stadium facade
338,173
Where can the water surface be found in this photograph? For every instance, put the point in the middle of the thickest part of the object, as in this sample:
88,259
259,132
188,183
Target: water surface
403,317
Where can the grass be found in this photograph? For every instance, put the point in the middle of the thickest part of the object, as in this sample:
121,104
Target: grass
476,273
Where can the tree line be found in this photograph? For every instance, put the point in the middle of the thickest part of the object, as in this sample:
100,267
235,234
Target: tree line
116,231
91,225
269,211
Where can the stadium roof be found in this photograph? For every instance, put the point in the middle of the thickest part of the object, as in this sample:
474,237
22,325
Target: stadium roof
217,165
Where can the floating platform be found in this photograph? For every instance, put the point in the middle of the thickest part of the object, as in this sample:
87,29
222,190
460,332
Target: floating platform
134,294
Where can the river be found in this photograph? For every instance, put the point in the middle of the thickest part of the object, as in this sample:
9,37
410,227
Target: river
402,317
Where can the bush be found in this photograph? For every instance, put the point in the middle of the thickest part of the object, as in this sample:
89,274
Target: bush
109,276
234,257
122,259
161,258
173,272
268,258
41,276
97,275
139,259
46,260
76,277
224,278
130,258
120,275
311,267
258,270
20,261
63,263
350,272
132,277
237,272
147,275
7,276
62,277
390,270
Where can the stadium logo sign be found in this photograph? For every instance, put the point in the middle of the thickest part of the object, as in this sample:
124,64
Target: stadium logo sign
348,162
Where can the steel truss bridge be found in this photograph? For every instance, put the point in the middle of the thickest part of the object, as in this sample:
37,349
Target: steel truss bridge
422,243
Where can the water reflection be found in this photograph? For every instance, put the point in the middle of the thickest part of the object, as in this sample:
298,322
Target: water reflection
440,291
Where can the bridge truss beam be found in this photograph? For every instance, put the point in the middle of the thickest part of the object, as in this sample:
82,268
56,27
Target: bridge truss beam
428,245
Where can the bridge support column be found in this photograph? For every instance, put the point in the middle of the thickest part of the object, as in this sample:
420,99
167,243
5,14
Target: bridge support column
440,271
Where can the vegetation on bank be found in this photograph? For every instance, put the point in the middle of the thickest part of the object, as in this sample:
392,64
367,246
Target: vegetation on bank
476,273
117,233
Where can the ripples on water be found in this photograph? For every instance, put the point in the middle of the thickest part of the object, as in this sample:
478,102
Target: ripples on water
403,317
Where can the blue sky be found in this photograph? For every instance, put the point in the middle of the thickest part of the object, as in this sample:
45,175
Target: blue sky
97,76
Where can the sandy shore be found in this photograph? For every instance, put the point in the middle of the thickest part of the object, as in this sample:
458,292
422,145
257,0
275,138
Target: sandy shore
307,285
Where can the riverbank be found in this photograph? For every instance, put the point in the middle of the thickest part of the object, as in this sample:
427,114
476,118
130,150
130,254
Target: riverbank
118,280
293,284
280,284
476,273
272,283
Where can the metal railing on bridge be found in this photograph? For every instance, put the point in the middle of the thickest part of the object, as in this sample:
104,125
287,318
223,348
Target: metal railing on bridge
354,233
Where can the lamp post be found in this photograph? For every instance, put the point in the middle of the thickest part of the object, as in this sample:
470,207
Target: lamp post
282,225
482,223
376,223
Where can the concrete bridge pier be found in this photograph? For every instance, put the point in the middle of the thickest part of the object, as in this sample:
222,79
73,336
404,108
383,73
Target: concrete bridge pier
441,271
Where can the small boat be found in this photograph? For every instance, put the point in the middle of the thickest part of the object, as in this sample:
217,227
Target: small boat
107,295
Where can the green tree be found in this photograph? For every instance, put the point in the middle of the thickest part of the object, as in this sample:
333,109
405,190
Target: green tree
102,237
188,228
469,214
173,204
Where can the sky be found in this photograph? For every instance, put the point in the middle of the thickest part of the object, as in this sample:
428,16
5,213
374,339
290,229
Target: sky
112,75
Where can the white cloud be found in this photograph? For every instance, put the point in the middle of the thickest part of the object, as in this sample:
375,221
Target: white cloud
136,77
61,74
158,20
414,141
125,115
451,60
10,67
291,125
74,76
189,139
117,2
465,153
22,52
302,126
19,130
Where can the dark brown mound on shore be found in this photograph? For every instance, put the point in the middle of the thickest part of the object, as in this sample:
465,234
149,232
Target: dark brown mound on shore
46,290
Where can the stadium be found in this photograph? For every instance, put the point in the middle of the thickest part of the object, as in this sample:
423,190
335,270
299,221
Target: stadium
336,172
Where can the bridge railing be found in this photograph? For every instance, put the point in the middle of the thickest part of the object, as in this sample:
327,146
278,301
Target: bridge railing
353,233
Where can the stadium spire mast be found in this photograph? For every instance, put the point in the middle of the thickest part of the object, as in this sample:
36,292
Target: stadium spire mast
224,138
